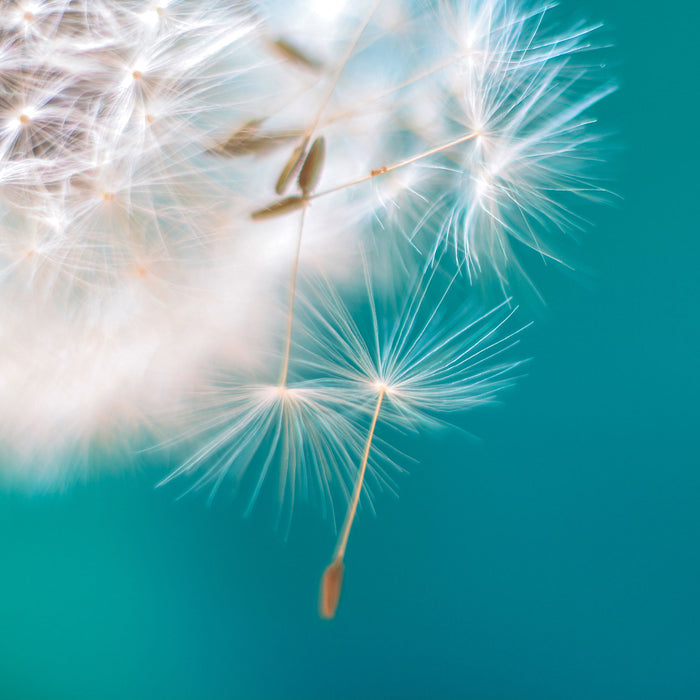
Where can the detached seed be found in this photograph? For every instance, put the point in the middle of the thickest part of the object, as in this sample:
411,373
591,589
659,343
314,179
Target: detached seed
313,166
278,208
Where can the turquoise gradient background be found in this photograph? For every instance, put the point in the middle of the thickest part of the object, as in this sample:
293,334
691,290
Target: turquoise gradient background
558,557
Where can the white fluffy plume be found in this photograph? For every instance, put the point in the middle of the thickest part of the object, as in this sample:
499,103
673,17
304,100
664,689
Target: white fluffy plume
149,240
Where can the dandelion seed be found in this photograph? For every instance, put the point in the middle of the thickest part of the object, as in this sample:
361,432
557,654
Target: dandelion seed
132,265
292,167
313,166
431,357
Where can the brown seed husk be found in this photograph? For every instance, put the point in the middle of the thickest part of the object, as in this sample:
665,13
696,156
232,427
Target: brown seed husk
331,585
313,166
292,166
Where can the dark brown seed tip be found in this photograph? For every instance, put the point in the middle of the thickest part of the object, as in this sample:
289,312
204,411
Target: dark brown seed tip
292,167
331,583
278,208
313,166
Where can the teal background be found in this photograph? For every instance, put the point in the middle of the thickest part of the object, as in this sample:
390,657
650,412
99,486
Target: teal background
557,557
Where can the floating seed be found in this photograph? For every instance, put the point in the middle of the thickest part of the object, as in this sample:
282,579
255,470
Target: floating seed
292,167
313,166
279,208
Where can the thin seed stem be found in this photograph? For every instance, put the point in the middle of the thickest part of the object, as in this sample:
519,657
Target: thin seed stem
332,579
292,296
352,508
396,166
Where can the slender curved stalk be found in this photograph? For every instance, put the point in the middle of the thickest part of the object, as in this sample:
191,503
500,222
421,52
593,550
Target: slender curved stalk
292,296
396,166
332,579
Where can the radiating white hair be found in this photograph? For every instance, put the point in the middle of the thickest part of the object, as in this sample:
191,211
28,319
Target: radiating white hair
143,240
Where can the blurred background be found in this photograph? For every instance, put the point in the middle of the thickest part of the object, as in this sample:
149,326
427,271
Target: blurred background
556,556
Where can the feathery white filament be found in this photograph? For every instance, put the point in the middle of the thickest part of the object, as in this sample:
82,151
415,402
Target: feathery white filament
136,140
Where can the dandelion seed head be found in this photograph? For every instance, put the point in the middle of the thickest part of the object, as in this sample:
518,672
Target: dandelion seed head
130,265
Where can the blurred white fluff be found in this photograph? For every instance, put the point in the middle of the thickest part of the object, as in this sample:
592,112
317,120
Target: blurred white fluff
115,269
130,267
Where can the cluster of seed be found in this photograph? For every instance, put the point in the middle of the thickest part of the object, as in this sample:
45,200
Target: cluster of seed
174,172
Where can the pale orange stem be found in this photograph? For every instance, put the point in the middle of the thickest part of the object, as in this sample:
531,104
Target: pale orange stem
332,579
292,296
395,166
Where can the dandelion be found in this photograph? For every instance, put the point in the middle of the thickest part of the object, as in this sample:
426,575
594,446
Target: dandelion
174,175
